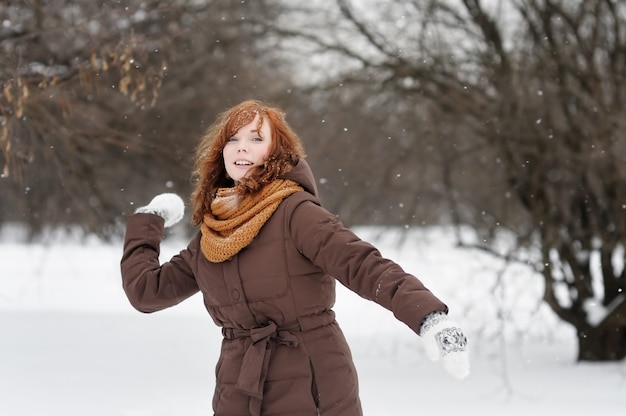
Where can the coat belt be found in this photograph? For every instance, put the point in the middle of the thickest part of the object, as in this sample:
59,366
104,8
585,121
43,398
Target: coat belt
256,359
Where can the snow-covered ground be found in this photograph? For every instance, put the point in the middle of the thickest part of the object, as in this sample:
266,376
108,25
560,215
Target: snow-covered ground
70,344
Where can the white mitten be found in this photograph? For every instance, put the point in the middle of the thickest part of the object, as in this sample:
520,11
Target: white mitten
444,340
168,206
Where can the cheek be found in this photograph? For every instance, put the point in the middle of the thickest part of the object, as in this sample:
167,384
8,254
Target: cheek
226,153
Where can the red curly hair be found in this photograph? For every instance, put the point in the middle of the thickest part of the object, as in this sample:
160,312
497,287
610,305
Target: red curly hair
210,172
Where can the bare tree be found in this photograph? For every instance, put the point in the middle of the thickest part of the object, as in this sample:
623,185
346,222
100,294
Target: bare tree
101,103
521,103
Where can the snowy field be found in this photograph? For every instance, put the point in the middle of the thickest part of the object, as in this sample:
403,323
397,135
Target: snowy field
71,345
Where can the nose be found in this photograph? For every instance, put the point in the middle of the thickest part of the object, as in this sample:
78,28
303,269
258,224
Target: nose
242,146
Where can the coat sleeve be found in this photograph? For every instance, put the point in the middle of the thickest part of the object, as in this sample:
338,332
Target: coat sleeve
359,266
149,285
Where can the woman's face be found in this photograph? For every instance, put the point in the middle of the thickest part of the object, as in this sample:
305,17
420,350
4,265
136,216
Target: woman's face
247,148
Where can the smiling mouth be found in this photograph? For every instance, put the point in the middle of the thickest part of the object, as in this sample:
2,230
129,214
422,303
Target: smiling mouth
243,163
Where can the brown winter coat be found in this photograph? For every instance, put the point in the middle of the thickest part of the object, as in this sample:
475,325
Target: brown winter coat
283,353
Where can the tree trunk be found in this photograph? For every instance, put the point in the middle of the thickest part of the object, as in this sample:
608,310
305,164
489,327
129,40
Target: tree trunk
607,341
602,344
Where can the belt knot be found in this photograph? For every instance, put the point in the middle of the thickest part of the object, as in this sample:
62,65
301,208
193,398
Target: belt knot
271,331
257,357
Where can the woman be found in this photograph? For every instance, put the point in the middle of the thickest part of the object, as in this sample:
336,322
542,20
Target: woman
266,258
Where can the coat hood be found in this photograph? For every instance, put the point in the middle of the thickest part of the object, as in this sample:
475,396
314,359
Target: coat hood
302,174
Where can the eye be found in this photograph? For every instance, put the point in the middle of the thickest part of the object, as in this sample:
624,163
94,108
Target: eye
257,139
231,139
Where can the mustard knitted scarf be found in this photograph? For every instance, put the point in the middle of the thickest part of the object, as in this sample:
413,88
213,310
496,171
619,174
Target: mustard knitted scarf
236,220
